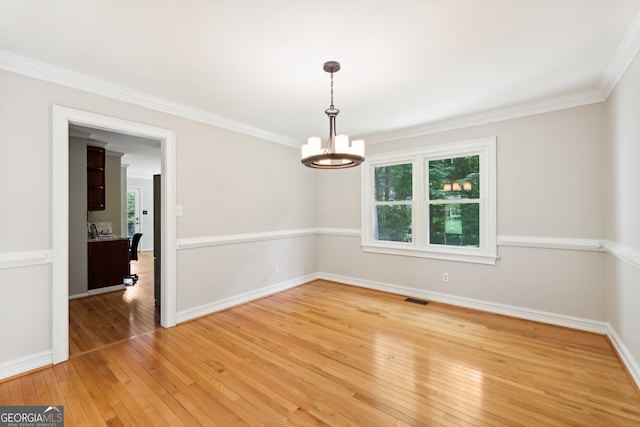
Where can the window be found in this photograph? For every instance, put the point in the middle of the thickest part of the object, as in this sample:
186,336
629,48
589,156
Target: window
454,201
436,202
393,202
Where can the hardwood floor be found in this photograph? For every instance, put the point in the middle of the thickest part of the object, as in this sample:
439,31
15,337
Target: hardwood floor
103,319
331,354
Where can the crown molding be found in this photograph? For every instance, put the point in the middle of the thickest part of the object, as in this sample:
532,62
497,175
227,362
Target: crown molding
524,110
626,53
41,71
113,153
78,133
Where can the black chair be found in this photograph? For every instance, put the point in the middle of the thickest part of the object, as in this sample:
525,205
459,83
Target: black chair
133,255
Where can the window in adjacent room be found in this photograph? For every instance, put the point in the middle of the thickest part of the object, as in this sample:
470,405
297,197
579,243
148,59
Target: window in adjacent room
436,202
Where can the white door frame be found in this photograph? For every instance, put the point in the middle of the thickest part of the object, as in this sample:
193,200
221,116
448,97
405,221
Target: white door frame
62,118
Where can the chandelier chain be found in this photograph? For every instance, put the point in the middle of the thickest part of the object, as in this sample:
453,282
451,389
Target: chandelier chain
332,107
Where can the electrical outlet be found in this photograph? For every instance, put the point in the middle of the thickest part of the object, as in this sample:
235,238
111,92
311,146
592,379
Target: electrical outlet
276,269
445,277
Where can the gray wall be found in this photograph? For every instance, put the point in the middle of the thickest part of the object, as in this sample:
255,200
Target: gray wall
78,271
562,175
549,186
228,183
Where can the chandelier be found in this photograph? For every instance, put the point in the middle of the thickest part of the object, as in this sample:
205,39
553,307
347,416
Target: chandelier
456,186
337,153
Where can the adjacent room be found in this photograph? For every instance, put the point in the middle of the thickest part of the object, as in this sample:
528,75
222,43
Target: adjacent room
347,213
114,234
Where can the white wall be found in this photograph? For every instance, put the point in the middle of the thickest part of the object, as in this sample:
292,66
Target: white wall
549,187
622,154
146,204
227,183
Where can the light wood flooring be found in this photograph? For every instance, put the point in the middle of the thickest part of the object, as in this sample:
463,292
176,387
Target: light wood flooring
103,319
331,354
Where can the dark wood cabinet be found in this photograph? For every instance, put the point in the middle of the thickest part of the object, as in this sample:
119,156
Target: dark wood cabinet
95,178
108,262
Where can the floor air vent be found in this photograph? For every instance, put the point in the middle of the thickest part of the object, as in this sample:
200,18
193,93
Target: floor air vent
417,301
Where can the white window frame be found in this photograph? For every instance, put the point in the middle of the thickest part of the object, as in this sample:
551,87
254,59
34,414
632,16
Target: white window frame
420,247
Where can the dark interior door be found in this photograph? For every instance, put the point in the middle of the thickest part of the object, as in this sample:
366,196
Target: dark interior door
157,228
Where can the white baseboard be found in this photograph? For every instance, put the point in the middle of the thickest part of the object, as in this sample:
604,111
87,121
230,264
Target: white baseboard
491,307
223,304
19,366
105,289
626,357
588,325
97,291
25,364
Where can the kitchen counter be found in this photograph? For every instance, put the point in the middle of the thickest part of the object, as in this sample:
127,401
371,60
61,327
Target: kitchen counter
106,238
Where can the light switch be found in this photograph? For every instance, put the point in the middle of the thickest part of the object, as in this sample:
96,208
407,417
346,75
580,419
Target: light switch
178,210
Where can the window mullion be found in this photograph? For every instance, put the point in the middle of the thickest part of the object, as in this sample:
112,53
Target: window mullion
418,206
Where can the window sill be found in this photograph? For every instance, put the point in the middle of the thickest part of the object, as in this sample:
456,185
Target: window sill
470,257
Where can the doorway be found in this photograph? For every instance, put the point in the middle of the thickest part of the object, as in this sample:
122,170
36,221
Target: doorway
62,118
134,195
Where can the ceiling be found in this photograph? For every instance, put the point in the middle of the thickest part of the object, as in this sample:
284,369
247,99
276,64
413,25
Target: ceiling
256,66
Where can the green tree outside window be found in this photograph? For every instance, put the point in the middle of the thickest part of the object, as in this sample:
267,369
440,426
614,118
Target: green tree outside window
393,203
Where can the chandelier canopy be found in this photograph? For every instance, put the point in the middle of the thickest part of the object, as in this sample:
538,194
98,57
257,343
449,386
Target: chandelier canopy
337,153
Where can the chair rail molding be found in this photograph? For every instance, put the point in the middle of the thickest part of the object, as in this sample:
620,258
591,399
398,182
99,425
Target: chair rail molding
24,259
623,253
545,242
232,239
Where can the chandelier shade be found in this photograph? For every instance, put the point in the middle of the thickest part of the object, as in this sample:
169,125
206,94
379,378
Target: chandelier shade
337,153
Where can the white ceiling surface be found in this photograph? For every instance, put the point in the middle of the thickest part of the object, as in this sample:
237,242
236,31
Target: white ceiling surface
257,64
